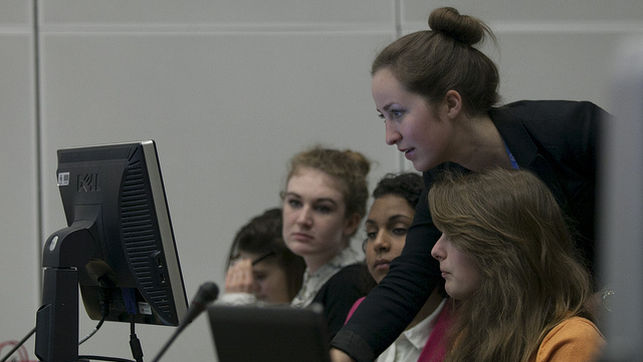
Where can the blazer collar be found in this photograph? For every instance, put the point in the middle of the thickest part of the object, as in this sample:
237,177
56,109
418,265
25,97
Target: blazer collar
514,134
525,150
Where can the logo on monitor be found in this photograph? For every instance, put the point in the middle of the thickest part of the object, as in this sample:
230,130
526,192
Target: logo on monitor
63,179
88,183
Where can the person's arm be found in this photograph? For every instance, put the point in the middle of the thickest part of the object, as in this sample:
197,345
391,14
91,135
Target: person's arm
239,284
393,304
239,278
576,339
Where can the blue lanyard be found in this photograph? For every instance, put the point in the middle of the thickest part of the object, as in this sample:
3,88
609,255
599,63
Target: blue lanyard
512,159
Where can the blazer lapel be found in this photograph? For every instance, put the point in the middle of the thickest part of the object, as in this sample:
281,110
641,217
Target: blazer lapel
525,150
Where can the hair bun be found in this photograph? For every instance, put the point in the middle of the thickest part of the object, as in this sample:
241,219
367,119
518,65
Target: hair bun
360,163
463,28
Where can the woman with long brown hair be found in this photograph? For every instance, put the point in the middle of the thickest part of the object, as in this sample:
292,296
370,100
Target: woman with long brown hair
509,262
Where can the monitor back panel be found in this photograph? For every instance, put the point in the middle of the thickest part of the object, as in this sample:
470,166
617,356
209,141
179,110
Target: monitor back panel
269,333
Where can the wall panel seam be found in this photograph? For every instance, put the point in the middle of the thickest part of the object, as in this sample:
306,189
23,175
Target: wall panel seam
38,144
562,27
215,28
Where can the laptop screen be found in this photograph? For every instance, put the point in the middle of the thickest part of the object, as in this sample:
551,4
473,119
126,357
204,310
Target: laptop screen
269,333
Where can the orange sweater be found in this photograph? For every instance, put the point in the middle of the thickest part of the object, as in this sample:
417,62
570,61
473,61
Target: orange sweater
574,339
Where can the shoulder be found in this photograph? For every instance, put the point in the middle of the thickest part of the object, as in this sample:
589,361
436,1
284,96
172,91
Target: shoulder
354,277
576,338
547,108
554,115
352,274
567,131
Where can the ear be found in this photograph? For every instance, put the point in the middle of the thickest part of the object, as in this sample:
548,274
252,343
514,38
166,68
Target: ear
351,224
453,103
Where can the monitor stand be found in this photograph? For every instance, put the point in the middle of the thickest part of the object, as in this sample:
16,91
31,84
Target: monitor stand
57,318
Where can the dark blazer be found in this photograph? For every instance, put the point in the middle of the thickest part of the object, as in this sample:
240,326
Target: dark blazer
557,141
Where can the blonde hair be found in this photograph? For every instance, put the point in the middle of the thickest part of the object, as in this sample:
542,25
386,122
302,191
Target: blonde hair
349,168
510,224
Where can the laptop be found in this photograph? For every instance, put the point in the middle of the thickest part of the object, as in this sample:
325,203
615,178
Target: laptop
269,333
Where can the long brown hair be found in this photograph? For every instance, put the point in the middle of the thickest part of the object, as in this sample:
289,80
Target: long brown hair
510,224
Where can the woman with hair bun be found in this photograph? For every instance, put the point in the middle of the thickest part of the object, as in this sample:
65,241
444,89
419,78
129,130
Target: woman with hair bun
437,96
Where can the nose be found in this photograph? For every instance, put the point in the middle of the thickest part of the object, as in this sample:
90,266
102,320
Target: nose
437,252
381,242
304,217
392,135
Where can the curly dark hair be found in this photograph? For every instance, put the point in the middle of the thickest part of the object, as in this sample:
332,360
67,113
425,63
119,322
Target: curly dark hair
406,185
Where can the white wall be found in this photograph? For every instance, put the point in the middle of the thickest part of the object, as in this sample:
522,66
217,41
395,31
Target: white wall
19,222
230,89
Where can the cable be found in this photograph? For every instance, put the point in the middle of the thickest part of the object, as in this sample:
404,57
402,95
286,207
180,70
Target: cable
129,298
100,323
102,358
104,293
135,344
22,341
206,294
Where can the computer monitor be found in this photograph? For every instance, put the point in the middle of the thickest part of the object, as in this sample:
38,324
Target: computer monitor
118,247
269,333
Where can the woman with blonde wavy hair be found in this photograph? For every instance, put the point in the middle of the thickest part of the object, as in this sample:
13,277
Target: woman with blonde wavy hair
509,261
324,201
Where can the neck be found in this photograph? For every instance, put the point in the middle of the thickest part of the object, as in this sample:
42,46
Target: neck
480,145
316,261
429,307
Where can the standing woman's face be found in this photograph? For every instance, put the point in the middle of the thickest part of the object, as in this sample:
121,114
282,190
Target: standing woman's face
315,225
417,129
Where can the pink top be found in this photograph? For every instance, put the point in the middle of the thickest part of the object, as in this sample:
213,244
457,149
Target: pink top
434,350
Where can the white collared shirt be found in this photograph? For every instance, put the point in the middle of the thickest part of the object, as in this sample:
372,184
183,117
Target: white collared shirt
314,281
408,346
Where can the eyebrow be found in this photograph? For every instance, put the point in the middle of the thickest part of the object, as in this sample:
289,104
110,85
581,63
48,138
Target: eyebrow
326,200
387,107
398,218
369,222
323,199
391,220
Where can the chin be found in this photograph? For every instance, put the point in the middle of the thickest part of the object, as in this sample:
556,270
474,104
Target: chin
295,246
378,277
301,249
424,166
452,293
